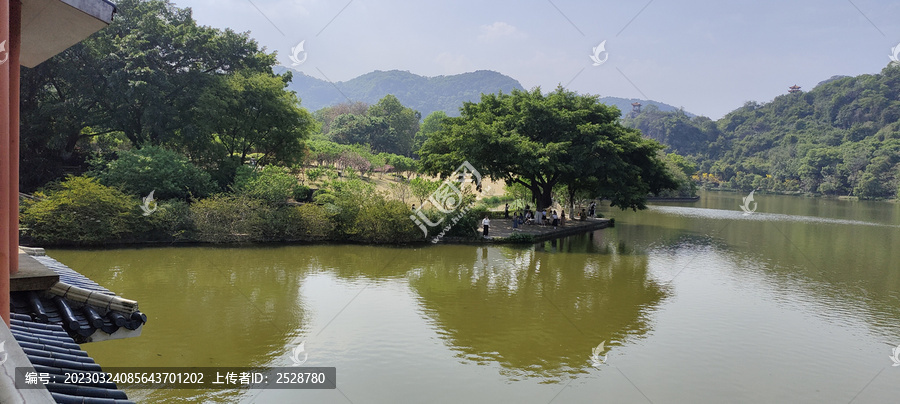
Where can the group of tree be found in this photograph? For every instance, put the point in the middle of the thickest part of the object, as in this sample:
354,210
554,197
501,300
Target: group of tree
387,126
158,103
155,77
840,138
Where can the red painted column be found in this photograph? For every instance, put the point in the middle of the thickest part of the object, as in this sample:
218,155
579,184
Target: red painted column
5,155
15,44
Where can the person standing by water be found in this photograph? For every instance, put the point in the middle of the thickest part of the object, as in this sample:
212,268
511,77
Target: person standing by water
506,212
593,207
486,223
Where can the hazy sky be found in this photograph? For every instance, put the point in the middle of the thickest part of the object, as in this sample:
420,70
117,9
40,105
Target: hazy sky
706,56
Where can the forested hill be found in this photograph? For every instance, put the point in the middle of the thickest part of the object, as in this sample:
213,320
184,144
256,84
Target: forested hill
423,94
840,138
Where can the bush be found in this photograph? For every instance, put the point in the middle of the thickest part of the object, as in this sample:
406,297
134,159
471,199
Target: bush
80,210
312,223
385,221
171,221
271,184
229,218
361,214
470,221
153,168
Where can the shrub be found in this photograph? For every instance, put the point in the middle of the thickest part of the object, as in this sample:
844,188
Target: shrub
312,223
229,218
153,168
80,210
385,221
271,184
467,225
171,221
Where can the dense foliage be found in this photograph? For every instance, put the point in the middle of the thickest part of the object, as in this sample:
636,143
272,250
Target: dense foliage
271,184
153,168
840,138
386,126
155,77
80,210
543,141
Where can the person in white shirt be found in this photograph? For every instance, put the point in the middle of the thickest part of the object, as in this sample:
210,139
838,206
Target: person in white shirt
487,224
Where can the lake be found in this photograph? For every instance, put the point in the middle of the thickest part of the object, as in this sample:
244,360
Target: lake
798,302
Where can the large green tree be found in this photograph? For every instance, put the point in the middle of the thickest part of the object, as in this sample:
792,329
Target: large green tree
252,112
431,124
402,121
541,141
138,78
359,129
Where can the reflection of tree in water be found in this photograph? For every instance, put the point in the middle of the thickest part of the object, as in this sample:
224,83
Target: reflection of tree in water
536,314
365,261
206,306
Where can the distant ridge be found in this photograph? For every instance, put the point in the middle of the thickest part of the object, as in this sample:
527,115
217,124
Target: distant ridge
424,94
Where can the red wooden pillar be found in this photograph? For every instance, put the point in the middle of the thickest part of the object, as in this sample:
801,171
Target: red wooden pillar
5,164
15,43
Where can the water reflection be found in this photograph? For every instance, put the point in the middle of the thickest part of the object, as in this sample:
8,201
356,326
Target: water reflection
845,261
205,306
537,314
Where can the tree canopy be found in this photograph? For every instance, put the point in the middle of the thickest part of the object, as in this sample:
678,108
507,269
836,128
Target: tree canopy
142,81
541,141
387,126
253,112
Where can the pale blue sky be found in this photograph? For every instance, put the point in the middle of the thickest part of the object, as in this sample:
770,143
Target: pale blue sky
706,56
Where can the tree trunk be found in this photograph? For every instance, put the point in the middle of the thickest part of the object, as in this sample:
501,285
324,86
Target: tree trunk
544,198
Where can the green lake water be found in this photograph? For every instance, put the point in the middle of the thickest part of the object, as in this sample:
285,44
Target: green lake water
796,303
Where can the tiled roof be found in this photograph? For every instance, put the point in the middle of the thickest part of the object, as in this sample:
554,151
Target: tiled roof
81,306
81,321
70,276
50,349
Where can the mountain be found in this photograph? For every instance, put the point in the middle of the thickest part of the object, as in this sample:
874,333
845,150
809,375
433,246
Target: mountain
840,138
424,94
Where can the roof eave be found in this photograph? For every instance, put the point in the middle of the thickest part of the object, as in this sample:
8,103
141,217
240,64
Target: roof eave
51,26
